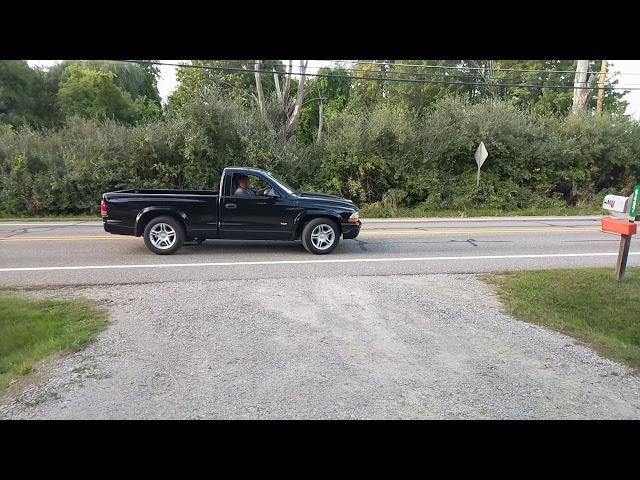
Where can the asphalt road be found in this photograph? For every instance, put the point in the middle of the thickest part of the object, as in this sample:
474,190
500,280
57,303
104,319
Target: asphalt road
81,253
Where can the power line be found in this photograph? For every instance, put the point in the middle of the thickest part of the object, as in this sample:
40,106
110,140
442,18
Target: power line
457,67
460,69
465,67
460,75
472,75
386,79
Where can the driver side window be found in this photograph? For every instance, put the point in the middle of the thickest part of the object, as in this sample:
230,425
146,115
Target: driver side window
256,185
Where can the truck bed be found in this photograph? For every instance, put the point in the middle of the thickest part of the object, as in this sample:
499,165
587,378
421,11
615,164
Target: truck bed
126,208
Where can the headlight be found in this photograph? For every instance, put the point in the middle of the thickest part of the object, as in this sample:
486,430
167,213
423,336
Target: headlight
354,218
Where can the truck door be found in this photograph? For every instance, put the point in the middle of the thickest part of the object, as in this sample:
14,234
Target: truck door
256,216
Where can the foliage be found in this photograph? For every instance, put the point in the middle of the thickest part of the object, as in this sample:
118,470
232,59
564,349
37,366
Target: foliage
386,156
23,95
334,93
32,96
194,83
94,94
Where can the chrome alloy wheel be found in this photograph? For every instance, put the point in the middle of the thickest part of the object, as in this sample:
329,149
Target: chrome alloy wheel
323,236
162,236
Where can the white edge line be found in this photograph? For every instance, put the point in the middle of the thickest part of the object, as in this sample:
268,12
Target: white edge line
299,262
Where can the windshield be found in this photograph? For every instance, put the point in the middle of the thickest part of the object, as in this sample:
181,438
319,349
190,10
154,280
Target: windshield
281,184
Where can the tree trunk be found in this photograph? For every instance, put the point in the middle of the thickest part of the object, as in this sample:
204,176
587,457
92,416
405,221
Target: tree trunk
297,110
260,99
581,94
287,86
319,137
290,110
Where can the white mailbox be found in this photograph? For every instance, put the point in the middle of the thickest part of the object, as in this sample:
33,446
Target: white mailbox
616,204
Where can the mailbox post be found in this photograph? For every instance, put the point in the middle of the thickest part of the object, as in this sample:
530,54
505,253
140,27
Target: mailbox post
619,207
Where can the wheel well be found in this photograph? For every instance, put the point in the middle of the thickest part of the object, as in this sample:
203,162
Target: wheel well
307,218
147,217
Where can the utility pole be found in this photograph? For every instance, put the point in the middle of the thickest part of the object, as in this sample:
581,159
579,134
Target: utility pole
581,93
603,74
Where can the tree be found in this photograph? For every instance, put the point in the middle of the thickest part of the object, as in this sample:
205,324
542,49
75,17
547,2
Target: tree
30,96
93,94
326,96
553,80
22,92
367,93
139,80
194,83
420,97
288,110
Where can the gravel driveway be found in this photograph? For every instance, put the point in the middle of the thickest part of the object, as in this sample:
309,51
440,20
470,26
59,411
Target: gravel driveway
419,346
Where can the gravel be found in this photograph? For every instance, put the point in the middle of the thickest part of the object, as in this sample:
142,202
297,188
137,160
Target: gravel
401,346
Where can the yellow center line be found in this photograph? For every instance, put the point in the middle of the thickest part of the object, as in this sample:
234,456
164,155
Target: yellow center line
481,230
48,239
371,233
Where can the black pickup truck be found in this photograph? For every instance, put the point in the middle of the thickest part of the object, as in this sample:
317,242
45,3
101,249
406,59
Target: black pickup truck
251,205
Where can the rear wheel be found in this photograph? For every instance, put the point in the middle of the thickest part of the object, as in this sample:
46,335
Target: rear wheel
320,236
164,235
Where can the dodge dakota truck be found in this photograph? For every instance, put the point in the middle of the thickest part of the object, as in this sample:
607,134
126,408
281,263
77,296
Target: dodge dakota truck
251,204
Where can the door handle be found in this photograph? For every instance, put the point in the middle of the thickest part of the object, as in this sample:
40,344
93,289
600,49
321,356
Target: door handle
230,205
261,203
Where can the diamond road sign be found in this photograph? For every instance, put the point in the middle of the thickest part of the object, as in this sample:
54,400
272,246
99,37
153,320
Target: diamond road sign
481,154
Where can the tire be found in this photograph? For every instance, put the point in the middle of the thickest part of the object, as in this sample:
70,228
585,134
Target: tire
161,245
316,228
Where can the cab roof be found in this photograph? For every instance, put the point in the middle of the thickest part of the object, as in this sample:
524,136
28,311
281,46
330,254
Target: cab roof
248,169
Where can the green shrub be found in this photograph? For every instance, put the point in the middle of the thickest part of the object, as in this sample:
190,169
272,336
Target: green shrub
386,157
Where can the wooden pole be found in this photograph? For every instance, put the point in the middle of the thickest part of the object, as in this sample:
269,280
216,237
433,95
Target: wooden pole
601,82
623,254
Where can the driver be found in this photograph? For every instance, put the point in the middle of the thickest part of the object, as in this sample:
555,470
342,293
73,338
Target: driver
243,189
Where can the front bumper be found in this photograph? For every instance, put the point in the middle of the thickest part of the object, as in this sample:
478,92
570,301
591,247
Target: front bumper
350,230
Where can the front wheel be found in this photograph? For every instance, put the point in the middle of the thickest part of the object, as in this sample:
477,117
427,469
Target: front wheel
320,236
164,235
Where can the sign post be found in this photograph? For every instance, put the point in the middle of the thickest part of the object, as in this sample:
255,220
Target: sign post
626,227
623,256
480,156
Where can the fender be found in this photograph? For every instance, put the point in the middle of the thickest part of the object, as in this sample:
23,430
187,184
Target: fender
148,212
310,214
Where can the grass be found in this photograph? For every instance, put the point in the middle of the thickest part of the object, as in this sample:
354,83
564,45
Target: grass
378,211
33,329
587,304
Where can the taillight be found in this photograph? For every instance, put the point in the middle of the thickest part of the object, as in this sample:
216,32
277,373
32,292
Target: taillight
103,208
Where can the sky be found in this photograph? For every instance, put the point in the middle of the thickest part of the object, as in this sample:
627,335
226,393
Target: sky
629,76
